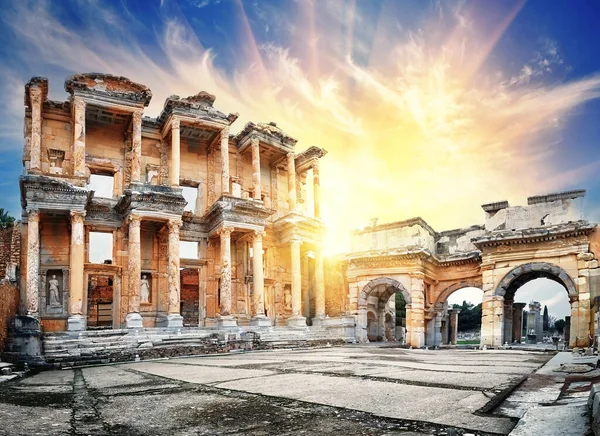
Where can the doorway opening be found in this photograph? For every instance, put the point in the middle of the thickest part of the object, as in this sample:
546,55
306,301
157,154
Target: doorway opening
100,302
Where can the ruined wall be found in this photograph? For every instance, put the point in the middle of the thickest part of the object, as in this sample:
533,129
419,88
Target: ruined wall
454,242
398,236
5,249
9,304
9,293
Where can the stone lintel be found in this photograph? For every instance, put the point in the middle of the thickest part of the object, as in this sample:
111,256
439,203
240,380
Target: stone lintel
547,198
268,134
396,225
495,207
48,193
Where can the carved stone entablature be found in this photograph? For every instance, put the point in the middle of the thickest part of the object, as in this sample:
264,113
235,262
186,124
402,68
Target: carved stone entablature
267,133
568,195
198,107
237,212
151,198
102,212
193,230
306,159
409,260
47,193
108,88
294,225
416,221
534,235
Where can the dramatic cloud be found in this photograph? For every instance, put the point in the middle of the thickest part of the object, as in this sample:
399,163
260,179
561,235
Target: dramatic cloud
416,117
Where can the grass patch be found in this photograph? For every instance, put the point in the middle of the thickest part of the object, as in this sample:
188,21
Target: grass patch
467,341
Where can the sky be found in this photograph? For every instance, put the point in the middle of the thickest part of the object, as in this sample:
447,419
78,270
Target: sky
427,108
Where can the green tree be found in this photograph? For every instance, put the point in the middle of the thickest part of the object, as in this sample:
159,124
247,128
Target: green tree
5,219
559,325
400,308
469,318
545,320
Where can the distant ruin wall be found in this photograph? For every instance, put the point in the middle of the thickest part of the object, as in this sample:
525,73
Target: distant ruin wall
9,304
5,249
9,294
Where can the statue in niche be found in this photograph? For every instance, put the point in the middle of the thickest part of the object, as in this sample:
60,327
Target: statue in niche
144,289
54,292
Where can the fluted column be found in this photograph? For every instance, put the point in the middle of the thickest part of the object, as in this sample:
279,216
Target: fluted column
316,190
175,152
35,148
78,106
258,281
136,146
256,168
33,263
291,181
134,272
77,319
226,319
296,320
174,318
319,287
225,160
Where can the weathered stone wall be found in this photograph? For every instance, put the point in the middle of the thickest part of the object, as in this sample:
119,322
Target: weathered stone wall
396,235
9,304
5,249
336,287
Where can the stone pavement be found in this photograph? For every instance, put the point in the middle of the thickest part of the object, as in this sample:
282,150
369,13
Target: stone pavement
344,390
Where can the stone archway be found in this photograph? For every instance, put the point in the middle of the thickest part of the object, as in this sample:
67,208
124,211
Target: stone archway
382,288
500,313
444,325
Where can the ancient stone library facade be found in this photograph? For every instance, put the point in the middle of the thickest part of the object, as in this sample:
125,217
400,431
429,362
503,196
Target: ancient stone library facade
257,261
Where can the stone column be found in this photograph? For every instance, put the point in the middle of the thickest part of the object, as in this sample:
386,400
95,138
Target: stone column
35,145
445,327
437,335
174,318
134,272
225,160
225,318
77,320
567,331
508,322
256,168
319,287
317,190
33,263
417,295
291,181
517,321
492,320
175,152
78,105
136,146
453,318
296,320
258,282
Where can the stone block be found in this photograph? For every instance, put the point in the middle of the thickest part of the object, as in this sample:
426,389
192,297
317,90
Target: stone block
134,321
76,323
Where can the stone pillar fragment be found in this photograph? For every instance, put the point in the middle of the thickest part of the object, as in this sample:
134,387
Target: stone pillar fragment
33,263
225,160
508,322
35,147
417,313
174,318
225,318
77,320
258,282
296,320
136,146
291,181
78,106
256,168
175,152
134,272
317,190
453,318
517,321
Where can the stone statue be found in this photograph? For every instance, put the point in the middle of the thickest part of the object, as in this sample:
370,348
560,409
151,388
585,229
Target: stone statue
144,290
54,292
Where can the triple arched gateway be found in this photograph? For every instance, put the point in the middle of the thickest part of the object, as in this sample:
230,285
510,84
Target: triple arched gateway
546,239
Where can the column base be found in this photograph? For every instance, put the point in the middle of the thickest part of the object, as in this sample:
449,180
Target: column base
134,321
173,320
260,321
296,321
226,321
76,323
318,321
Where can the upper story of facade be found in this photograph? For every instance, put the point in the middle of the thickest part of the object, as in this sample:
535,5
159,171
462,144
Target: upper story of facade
545,216
98,152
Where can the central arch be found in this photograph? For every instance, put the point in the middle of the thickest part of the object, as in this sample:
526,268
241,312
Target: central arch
373,321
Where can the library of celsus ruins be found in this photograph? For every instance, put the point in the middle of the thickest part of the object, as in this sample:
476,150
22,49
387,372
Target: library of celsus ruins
256,262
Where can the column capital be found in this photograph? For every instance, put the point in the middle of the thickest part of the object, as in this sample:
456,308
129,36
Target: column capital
137,116
254,141
257,235
175,123
35,95
225,231
296,241
77,216
134,219
290,155
33,216
174,225
225,132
